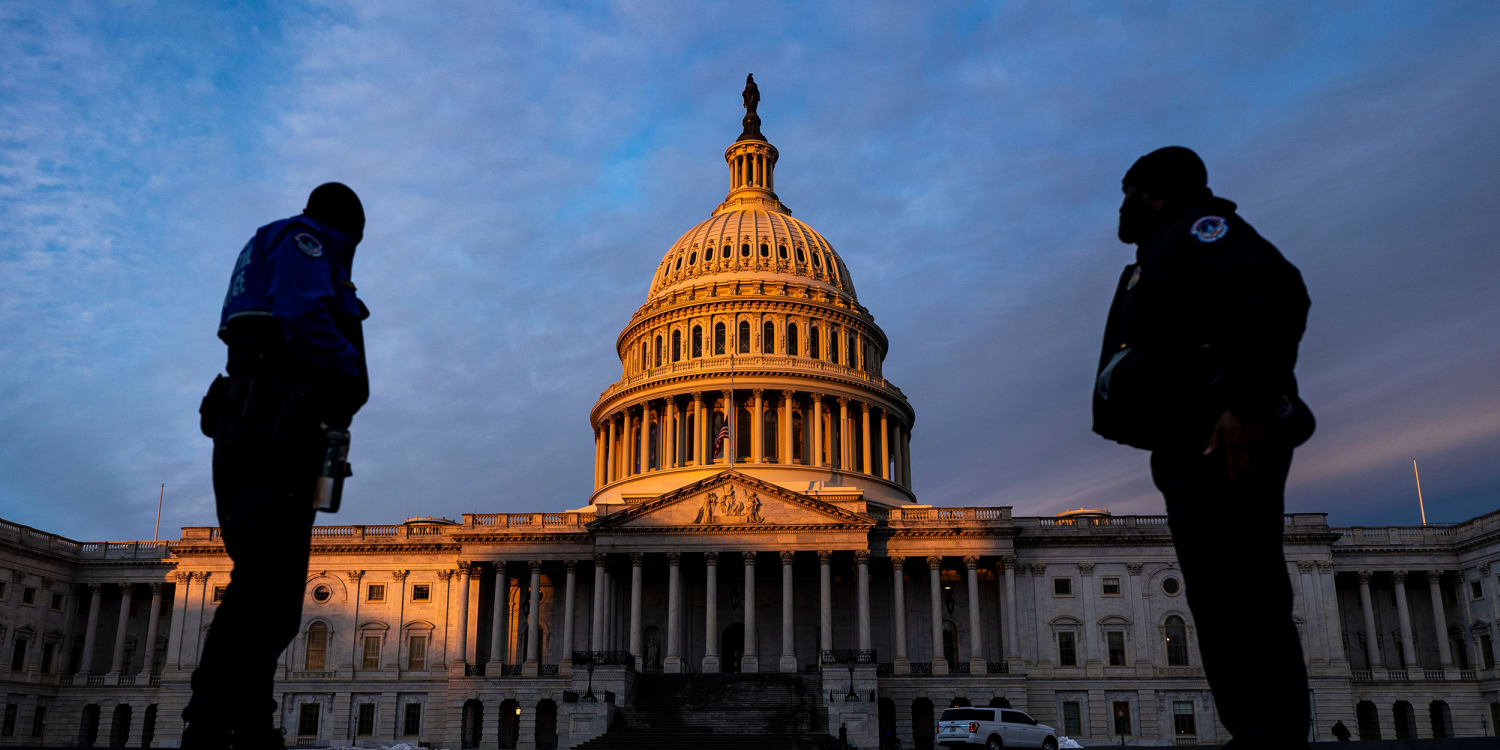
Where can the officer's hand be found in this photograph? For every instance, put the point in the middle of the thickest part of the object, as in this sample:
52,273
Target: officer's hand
1240,441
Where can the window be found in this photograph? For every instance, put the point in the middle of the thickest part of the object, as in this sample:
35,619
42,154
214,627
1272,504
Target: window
1067,649
57,602
365,725
416,652
421,592
781,251
1121,711
1476,590
677,346
375,593
853,350
307,720
1487,651
317,645
412,723
1170,586
816,262
1184,722
8,728
745,249
18,655
658,351
697,341
678,266
1111,585
49,652
1062,587
718,338
1116,642
39,721
727,251
28,595
693,257
2,590
1176,635
833,344
765,250
219,593
372,652
801,255
1072,714
768,338
321,593
743,344
812,342
792,349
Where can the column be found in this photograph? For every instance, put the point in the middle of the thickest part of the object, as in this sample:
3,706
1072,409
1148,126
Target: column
671,455
151,624
935,568
825,603
1012,640
179,620
788,645
120,628
1408,654
785,423
817,431
596,630
750,662
645,438
731,418
976,644
1372,636
1142,654
635,610
497,619
757,428
845,455
862,595
597,444
529,668
673,662
462,652
610,458
569,587
898,602
1090,593
864,439
711,612
1333,621
1314,645
885,445
896,475
906,457
700,415
1439,617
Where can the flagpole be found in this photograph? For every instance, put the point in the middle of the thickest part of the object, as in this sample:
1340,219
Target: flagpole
156,533
734,412
1420,505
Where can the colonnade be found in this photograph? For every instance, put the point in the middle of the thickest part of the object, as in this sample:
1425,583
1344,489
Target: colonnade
1407,644
845,434
117,663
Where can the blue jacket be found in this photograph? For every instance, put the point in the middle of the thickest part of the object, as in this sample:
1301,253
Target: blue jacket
295,272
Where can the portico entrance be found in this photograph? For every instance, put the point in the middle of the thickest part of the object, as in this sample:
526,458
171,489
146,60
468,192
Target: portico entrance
732,648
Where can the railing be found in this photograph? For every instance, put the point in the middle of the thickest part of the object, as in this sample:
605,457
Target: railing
312,675
1432,534
65,679
921,667
473,670
546,670
1363,675
885,668
1468,674
510,670
959,667
1432,674
996,667
1179,671
603,658
96,679
1398,675
155,680
899,515
848,656
560,521
125,679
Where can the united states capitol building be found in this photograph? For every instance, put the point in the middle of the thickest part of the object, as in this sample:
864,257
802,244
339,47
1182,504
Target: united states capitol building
752,531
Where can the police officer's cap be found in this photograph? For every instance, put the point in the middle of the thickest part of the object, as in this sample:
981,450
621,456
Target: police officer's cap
1173,172
336,205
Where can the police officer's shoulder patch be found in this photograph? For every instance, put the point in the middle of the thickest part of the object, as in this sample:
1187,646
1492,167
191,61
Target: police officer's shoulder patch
309,245
1210,228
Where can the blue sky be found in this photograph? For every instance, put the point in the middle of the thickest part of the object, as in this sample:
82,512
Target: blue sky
524,168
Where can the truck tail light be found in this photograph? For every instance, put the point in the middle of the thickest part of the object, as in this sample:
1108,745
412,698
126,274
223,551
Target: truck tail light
973,727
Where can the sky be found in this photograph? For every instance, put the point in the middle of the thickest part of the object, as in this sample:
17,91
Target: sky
524,168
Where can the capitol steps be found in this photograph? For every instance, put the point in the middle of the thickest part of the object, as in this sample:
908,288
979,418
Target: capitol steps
720,712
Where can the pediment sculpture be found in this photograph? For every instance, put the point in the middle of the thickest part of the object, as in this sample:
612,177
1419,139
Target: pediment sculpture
729,509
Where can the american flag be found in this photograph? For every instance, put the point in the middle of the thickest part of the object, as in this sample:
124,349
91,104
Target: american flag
722,436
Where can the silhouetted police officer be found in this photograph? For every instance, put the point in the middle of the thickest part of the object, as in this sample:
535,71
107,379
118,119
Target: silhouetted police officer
1197,368
296,367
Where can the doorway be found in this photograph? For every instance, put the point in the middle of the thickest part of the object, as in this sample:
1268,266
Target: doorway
923,729
731,648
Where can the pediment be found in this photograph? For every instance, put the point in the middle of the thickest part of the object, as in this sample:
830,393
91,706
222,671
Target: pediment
731,500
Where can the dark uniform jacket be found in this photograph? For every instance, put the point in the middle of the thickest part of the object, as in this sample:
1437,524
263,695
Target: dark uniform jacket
1206,320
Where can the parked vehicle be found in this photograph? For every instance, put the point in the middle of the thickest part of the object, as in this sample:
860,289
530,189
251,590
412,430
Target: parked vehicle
992,729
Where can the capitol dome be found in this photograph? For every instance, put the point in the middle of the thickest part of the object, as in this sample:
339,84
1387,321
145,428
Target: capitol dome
752,353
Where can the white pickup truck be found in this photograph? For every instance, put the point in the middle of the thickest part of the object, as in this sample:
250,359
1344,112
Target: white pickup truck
992,729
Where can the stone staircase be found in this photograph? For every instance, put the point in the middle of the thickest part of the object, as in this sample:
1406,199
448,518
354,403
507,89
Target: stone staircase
720,712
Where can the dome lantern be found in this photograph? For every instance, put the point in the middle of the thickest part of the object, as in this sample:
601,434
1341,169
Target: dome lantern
752,163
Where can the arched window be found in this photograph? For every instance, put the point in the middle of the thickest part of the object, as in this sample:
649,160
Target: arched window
765,250
853,350
771,433
658,351
1406,720
791,340
317,646
1442,718
1368,720
798,436
693,257
1176,635
644,361
742,442
743,342
745,250
697,341
801,255
833,344
768,338
676,346
812,342
781,251
718,338
727,251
